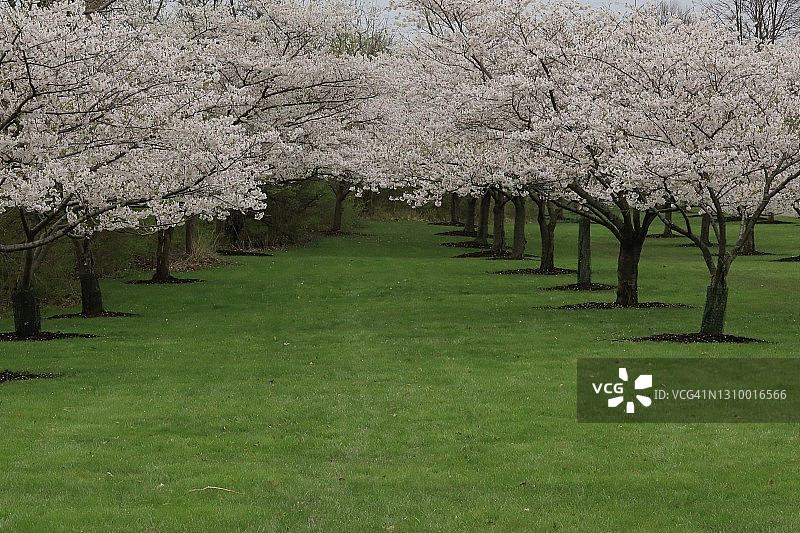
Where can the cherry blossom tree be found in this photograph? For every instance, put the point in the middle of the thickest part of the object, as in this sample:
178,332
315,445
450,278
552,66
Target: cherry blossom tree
715,123
105,125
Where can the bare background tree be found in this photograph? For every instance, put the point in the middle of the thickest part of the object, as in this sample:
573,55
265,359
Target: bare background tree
675,9
765,20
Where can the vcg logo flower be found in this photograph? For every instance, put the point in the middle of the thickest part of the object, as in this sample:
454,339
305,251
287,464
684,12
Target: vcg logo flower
644,381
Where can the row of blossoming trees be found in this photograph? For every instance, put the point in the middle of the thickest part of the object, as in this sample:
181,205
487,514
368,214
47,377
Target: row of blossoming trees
141,117
622,118
144,116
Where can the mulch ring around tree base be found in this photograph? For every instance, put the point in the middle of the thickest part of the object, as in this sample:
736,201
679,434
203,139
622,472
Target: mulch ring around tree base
169,281
8,375
466,244
488,254
536,272
443,223
689,338
612,305
754,254
795,259
458,233
693,245
104,314
44,336
577,287
347,234
242,253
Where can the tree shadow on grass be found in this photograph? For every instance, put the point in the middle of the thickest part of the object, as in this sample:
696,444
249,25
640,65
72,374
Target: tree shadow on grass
43,336
691,338
8,375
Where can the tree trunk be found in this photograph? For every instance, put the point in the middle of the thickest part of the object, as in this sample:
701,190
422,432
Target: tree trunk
749,245
27,313
628,273
483,220
547,218
162,255
190,235
341,194
499,230
469,220
454,210
518,246
716,301
705,229
338,210
584,253
236,229
91,296
667,227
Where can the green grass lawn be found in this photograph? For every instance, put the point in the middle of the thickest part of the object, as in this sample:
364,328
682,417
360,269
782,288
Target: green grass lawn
372,383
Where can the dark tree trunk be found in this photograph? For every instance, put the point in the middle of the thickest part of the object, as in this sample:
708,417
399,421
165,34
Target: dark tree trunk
547,218
454,209
91,296
705,229
584,252
469,219
716,301
749,245
190,235
518,246
483,219
338,210
547,233
630,252
667,227
236,229
27,313
162,255
341,192
498,226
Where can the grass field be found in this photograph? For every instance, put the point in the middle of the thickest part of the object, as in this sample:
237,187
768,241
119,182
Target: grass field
372,383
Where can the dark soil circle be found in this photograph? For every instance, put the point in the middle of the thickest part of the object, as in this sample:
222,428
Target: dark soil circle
44,336
526,257
484,254
536,272
8,375
693,245
242,253
443,223
689,338
612,305
576,287
466,244
795,259
458,233
170,281
345,234
755,254
104,314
